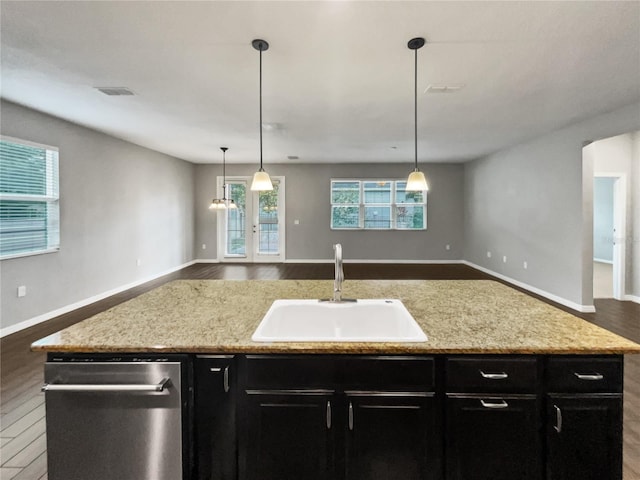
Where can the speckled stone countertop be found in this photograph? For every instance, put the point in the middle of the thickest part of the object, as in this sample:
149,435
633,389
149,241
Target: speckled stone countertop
458,316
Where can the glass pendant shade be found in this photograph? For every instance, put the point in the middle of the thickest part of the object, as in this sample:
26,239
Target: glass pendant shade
217,204
261,181
417,182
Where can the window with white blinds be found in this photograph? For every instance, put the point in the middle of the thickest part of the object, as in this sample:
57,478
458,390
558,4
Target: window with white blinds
29,200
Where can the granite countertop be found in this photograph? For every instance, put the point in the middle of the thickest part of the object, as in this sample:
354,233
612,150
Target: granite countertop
219,316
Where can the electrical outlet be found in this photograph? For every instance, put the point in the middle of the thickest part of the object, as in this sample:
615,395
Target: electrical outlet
296,222
524,265
22,290
204,246
504,259
488,254
139,262
447,247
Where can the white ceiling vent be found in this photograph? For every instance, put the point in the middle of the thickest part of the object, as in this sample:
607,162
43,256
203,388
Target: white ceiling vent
115,91
444,88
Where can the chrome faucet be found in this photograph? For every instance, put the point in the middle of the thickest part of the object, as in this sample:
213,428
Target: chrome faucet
337,283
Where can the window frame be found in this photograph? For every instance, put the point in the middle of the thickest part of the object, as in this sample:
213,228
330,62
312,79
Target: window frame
51,198
361,206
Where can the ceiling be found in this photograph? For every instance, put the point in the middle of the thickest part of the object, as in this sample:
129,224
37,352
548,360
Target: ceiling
337,78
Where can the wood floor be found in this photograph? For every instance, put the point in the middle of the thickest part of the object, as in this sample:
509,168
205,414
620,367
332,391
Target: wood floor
22,424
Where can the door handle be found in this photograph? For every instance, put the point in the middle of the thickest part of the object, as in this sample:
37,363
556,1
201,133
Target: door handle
558,426
329,415
126,387
350,416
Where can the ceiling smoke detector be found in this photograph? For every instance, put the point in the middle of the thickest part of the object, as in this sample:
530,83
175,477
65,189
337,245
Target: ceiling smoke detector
444,88
115,91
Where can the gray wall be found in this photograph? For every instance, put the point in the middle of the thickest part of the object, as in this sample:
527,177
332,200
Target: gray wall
308,200
603,218
635,233
118,203
534,202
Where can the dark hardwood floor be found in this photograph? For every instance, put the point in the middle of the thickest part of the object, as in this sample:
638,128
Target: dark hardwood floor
22,425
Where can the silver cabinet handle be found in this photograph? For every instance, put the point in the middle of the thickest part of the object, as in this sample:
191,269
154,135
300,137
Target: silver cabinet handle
58,387
329,415
225,378
500,404
558,426
494,376
589,376
350,416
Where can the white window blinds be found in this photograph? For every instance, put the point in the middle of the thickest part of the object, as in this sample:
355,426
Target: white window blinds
29,200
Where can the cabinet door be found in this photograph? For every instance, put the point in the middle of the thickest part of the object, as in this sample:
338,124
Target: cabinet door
391,436
584,437
493,438
215,427
288,436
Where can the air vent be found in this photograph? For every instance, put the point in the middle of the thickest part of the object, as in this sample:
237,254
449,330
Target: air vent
444,88
293,157
115,91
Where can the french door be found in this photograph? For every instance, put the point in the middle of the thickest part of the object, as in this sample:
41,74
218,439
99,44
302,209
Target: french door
254,231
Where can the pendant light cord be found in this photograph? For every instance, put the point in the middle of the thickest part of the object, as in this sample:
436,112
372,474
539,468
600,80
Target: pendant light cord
415,108
261,169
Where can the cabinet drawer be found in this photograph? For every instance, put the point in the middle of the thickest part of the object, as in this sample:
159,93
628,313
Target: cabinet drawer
289,371
482,374
388,372
588,375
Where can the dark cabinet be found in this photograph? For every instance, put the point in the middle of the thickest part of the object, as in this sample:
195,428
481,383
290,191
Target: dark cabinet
584,419
289,435
493,438
412,417
215,410
297,425
391,436
492,418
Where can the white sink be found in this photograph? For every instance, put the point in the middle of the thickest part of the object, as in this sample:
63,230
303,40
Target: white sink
378,320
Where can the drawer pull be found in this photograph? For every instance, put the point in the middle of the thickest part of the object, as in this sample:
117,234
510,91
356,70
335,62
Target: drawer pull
589,376
558,426
225,381
494,376
500,404
328,415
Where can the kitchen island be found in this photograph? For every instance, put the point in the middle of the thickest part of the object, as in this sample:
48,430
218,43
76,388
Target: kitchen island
506,387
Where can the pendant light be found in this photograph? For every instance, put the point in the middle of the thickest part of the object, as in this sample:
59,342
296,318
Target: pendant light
261,180
223,203
416,180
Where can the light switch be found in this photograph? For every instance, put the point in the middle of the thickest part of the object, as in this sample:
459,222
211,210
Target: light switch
22,290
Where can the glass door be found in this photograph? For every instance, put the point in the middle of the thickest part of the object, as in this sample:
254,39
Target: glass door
254,231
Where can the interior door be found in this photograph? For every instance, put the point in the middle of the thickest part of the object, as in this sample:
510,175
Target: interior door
254,231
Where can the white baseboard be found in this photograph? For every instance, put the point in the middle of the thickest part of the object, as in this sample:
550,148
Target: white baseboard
632,298
402,262
537,291
206,260
82,303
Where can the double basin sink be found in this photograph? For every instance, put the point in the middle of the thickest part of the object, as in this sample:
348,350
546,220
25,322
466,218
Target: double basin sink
369,320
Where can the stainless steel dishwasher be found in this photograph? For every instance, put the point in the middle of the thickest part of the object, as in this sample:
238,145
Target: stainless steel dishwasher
115,418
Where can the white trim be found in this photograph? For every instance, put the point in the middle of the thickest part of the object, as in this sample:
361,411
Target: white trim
355,260
602,260
206,260
542,293
28,143
68,308
632,298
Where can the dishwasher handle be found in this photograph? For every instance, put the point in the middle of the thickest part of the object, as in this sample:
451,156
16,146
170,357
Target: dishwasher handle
61,387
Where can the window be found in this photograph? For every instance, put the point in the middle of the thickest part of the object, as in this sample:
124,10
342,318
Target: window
29,208
376,205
